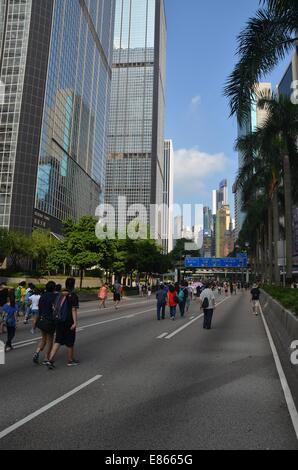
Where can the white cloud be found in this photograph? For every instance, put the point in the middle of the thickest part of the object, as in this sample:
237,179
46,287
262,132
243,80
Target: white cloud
198,173
196,100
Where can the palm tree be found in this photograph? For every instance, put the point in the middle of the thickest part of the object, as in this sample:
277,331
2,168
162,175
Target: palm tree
282,126
266,40
258,179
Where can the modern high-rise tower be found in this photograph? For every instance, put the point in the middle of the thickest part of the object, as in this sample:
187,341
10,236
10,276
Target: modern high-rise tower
135,164
55,65
168,197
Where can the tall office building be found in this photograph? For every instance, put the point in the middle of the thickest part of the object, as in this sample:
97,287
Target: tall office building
168,197
285,88
256,120
55,63
136,130
223,232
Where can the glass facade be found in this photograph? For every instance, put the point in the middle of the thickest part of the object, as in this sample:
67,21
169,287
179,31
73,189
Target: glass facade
136,127
14,32
56,58
73,148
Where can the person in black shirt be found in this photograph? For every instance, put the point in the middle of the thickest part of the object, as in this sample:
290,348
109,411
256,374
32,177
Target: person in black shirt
66,308
255,299
46,322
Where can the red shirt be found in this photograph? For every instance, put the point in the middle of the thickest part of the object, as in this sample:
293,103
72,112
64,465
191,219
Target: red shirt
171,299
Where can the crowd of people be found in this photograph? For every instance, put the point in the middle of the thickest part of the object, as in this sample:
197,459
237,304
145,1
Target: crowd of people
179,296
52,310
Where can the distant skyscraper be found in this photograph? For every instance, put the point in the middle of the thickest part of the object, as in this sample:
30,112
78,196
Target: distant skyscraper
257,117
168,196
136,130
208,221
55,63
178,228
223,225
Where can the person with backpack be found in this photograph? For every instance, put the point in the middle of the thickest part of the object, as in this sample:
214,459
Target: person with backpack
183,295
46,322
66,317
10,311
161,297
207,300
173,301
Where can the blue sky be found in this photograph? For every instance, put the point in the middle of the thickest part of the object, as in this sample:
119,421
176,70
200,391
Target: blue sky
201,54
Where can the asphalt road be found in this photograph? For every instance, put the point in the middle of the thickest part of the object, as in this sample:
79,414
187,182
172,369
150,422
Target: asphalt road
141,389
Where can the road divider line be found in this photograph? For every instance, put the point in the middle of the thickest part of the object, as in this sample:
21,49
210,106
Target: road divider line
282,377
24,345
44,409
162,336
191,322
125,317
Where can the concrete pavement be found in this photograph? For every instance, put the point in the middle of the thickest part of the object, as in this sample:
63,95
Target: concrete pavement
198,389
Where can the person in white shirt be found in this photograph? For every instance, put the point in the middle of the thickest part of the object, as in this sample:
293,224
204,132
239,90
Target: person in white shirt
207,300
34,300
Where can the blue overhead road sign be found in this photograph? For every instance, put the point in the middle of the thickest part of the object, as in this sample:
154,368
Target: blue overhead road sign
233,263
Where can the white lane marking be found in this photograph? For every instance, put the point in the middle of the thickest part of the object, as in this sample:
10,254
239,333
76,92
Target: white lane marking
113,307
27,341
162,336
42,410
284,383
190,323
125,317
24,345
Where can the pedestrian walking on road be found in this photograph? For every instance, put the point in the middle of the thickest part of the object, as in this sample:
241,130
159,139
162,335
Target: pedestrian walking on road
66,316
207,300
10,311
173,301
34,306
3,301
103,295
46,322
117,289
161,297
255,299
183,295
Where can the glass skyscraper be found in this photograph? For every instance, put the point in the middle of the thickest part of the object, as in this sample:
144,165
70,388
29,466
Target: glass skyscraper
55,63
136,130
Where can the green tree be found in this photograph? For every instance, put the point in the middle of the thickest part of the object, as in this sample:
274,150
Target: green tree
5,244
42,245
266,40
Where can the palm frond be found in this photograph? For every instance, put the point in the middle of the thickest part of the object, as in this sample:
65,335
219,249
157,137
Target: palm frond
267,39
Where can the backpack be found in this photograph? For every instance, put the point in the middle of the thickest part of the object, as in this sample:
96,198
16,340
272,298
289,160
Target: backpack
61,308
181,295
205,303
